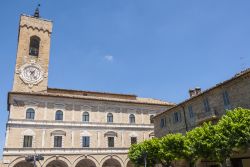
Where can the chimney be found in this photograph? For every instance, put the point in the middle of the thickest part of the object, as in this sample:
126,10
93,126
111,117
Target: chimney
194,92
197,90
191,92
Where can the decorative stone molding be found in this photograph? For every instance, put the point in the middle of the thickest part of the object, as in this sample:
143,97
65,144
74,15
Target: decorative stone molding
58,133
133,134
28,132
110,134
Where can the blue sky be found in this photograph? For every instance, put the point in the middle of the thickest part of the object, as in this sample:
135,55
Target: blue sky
151,48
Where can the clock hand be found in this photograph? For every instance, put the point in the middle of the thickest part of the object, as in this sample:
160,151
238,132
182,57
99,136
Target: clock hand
32,72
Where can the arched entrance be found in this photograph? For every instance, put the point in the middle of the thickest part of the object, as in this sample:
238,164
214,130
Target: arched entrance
130,164
111,162
24,164
85,163
57,163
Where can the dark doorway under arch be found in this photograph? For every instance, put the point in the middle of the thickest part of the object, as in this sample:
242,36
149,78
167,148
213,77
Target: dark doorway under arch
111,163
85,163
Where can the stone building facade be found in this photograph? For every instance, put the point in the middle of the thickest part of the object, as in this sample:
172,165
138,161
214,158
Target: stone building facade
69,128
205,106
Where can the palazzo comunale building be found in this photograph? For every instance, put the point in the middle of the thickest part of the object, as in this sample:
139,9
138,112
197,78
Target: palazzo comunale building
69,128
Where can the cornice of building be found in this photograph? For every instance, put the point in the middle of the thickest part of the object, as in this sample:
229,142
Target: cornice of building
132,99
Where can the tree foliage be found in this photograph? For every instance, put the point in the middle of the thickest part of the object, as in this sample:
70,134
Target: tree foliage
235,126
173,147
148,148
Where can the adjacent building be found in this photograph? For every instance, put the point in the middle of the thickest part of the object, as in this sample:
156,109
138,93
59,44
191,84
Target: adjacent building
70,128
205,106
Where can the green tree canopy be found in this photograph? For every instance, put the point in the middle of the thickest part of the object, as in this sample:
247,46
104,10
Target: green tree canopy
148,148
235,126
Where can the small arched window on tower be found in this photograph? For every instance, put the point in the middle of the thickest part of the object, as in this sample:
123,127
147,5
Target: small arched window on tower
34,46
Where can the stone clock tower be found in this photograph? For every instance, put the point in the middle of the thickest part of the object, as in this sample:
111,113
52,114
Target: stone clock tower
33,52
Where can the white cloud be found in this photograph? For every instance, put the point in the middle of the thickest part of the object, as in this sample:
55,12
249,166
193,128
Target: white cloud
109,58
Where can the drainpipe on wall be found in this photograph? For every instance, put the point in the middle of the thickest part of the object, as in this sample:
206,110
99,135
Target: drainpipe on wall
185,118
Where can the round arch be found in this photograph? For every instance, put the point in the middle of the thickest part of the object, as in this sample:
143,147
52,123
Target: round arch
57,159
20,162
86,157
111,160
130,164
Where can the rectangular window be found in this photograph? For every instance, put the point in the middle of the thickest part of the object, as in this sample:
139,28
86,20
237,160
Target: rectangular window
85,141
226,99
177,117
111,142
57,141
163,123
27,141
206,105
133,140
190,110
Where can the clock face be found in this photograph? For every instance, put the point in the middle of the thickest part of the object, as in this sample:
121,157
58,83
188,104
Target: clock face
31,74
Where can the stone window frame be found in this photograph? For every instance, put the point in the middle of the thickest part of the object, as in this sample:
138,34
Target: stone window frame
109,134
57,133
109,115
28,132
63,115
30,108
132,119
133,134
27,137
111,145
83,143
54,144
85,115
85,133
